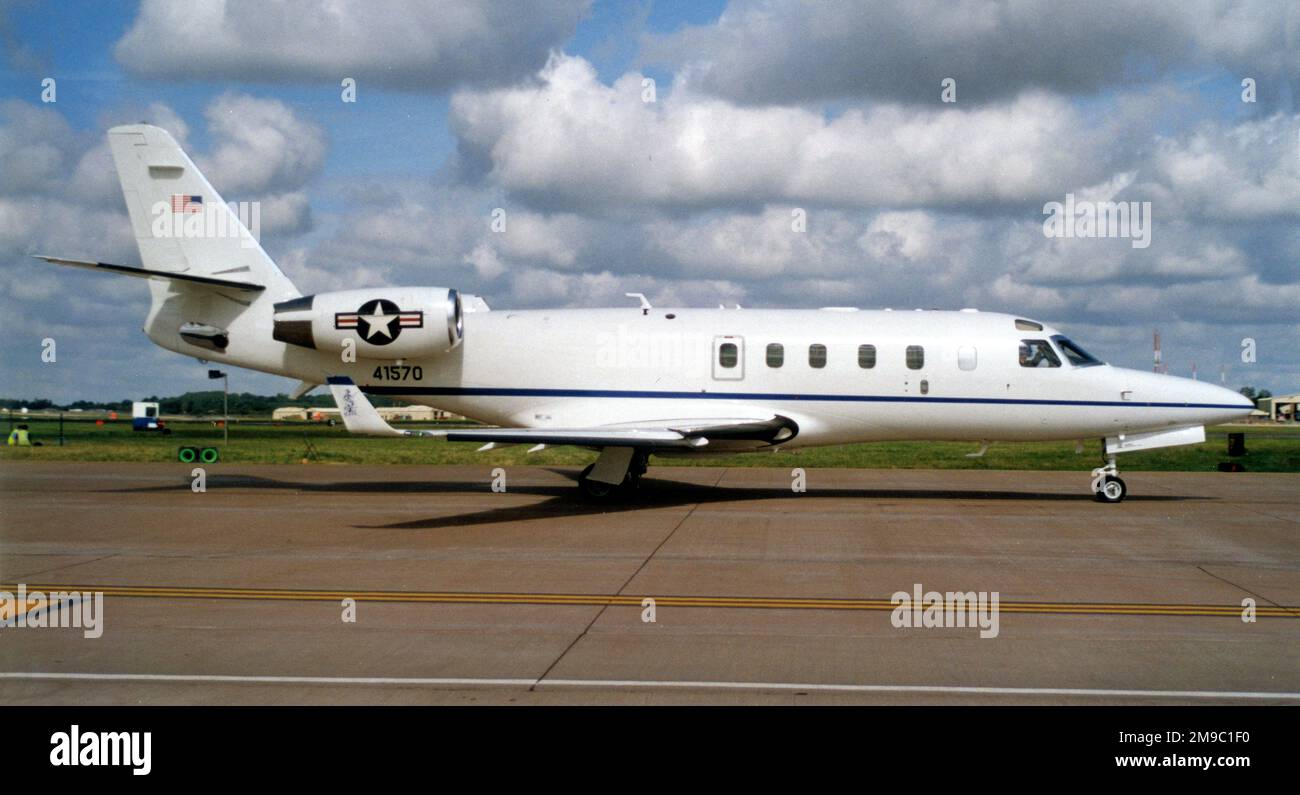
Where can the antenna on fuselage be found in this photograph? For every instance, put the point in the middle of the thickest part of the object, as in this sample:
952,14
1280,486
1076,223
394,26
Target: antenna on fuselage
645,303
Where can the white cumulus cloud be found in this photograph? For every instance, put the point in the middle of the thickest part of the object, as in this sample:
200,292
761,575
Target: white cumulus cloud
571,140
396,43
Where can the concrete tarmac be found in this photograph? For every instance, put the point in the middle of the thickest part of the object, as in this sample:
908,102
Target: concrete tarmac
533,596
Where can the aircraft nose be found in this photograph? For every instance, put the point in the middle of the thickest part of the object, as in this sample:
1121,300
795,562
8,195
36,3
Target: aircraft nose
1225,397
1225,404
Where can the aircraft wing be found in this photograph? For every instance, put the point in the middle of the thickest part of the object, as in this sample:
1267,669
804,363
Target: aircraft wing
360,416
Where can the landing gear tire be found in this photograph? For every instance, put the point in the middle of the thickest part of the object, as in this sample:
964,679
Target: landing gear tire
596,491
1112,489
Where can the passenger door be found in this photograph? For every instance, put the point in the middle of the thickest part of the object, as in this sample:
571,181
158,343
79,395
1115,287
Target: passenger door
728,358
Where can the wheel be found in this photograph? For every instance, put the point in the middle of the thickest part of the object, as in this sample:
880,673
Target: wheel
187,455
595,490
1112,489
209,455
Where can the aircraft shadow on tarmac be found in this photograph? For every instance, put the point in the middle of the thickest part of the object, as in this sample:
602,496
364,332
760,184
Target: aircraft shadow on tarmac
566,500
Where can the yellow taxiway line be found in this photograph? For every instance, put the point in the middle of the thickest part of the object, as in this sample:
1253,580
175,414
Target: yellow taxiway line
629,600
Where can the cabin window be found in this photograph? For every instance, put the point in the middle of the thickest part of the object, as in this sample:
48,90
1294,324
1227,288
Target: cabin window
915,357
925,387
775,354
866,356
1038,353
728,354
967,357
816,355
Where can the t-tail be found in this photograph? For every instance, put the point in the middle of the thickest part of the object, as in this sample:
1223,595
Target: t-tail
209,278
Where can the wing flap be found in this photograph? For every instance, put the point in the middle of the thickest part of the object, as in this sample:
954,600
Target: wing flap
359,416
583,437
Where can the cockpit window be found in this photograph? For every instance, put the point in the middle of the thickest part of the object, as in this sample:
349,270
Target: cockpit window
1038,353
1077,356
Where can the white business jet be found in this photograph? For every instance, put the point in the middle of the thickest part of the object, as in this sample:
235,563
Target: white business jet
633,381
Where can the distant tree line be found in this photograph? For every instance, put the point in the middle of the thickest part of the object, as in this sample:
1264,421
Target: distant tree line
1256,395
193,403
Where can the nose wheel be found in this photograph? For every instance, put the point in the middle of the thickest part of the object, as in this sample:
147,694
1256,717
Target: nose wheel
1112,489
1107,484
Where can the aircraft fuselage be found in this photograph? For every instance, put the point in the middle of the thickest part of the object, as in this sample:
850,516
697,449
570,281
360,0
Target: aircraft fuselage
931,374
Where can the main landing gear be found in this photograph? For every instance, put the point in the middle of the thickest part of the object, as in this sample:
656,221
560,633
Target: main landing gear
1106,482
602,491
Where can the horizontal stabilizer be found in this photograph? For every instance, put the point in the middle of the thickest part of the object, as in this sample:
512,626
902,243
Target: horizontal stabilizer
145,273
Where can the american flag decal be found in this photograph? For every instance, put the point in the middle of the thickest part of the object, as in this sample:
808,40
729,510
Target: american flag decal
182,203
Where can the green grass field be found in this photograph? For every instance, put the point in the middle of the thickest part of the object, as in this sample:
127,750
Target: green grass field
1269,449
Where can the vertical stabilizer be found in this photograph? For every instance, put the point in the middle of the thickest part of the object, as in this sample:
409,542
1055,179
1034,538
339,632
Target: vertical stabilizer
180,222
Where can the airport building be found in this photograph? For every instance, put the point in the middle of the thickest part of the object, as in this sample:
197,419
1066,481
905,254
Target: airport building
391,413
1281,408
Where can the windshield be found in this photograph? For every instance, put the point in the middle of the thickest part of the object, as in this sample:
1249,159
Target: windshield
1077,356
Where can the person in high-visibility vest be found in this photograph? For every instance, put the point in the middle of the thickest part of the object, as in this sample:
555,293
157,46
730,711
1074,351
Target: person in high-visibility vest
20,437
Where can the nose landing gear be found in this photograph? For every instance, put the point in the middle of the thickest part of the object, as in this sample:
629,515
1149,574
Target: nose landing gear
1106,482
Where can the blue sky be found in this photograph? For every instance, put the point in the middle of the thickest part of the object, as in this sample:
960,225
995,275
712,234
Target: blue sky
761,109
73,41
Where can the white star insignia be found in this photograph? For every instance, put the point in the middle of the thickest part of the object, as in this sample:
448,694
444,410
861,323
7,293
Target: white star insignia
379,323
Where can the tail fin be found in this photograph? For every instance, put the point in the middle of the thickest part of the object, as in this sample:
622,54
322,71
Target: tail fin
181,224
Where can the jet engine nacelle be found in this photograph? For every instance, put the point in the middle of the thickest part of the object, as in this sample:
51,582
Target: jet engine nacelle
384,323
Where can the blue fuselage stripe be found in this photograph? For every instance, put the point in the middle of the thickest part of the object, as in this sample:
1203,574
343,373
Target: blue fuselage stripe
456,391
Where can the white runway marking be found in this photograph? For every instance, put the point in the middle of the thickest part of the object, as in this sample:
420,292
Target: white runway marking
614,684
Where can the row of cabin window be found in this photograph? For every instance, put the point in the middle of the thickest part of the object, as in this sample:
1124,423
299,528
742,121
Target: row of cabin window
1033,353
817,356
